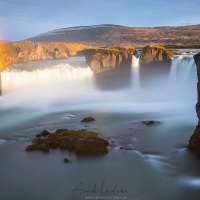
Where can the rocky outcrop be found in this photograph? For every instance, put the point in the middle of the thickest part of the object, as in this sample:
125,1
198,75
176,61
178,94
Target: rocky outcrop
150,122
106,59
26,51
88,119
194,142
155,53
81,141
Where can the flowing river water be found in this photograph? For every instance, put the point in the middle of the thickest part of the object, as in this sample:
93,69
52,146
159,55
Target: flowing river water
143,163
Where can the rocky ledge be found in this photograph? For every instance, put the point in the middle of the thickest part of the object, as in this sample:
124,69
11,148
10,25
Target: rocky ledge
155,53
105,59
80,141
26,51
194,142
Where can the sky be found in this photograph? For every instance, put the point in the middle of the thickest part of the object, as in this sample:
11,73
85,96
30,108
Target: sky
22,19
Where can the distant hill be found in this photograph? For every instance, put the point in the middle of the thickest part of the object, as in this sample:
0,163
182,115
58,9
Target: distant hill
112,35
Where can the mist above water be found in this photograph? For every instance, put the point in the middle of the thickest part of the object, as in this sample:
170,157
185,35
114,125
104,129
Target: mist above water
71,85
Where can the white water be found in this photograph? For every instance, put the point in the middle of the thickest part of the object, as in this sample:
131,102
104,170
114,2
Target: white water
183,78
135,72
65,86
46,84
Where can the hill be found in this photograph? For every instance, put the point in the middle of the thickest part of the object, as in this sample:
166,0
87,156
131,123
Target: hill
112,35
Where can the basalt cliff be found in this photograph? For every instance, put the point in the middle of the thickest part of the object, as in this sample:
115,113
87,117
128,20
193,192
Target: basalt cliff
98,58
106,59
27,51
155,53
194,142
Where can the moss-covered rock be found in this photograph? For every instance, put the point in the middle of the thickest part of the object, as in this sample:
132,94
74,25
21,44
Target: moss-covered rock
38,147
88,119
45,133
64,139
92,146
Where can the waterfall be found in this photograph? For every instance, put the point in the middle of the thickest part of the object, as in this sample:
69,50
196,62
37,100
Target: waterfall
45,85
183,69
39,78
183,78
135,72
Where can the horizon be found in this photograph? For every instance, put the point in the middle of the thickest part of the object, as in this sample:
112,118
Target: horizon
20,19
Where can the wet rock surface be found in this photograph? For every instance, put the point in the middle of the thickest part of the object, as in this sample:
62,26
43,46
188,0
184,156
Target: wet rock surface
66,160
151,122
80,141
88,119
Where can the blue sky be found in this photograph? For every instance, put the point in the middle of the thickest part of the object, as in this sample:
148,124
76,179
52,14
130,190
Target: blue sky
21,19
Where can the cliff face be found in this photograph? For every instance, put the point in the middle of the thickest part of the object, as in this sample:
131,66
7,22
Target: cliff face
155,53
26,51
194,142
103,60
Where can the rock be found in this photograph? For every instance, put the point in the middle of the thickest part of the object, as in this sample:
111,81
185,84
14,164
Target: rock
106,59
45,133
150,122
66,160
81,141
88,119
94,147
37,147
60,130
194,142
68,144
27,51
155,53
53,144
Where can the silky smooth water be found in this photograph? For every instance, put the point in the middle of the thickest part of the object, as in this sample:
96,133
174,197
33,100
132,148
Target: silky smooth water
144,163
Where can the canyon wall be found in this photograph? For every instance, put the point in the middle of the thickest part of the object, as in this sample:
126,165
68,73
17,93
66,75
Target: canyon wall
194,142
155,53
106,59
26,51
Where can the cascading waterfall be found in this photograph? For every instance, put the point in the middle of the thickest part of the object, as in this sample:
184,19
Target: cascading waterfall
72,86
44,86
183,69
183,78
135,72
41,78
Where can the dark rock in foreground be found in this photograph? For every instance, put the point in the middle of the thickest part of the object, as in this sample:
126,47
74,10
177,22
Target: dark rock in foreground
81,141
88,119
66,160
150,122
194,142
85,146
